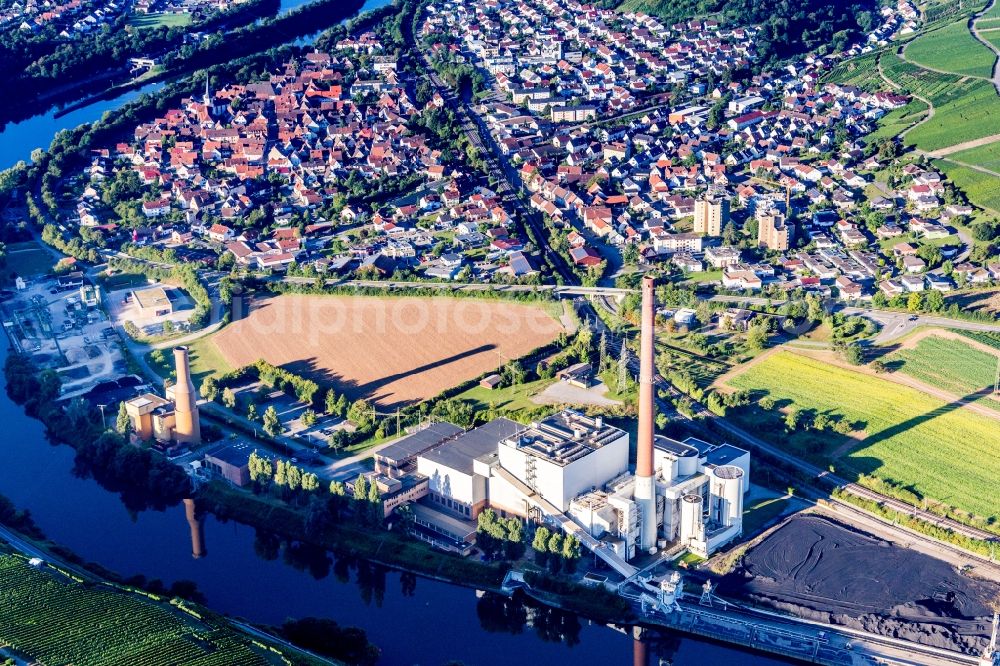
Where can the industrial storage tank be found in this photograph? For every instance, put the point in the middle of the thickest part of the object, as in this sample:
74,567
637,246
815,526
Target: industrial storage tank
727,495
691,522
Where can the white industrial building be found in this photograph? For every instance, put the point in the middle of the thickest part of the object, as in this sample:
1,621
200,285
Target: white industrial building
699,499
578,466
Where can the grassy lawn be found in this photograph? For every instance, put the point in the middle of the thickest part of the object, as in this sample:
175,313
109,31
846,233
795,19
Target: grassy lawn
28,259
123,281
943,452
950,365
952,49
204,356
157,20
705,276
57,620
964,109
979,187
510,399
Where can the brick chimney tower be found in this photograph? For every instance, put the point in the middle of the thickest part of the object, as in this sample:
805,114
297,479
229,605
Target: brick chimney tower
187,427
645,489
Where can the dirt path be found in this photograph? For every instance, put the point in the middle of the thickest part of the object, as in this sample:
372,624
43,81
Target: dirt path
895,86
911,342
720,383
965,145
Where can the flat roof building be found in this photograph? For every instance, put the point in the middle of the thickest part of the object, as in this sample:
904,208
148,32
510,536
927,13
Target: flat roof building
152,302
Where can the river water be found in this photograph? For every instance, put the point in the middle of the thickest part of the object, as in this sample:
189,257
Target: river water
413,620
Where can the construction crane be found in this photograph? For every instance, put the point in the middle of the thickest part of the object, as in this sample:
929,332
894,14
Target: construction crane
774,183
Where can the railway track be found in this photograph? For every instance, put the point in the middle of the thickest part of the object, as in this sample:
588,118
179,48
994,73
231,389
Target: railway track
823,475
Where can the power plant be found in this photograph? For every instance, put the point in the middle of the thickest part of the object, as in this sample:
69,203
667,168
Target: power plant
172,419
574,468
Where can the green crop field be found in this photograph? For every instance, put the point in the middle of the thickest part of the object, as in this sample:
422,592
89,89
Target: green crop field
991,339
964,108
58,621
946,452
897,120
952,49
980,188
861,72
950,365
987,156
158,20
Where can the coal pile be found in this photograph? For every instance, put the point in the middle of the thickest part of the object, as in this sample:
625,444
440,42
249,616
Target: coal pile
816,568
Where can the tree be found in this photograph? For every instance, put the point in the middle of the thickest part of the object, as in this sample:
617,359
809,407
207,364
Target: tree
934,301
854,354
280,473
209,389
555,548
272,424
330,402
793,419
757,337
540,544
123,424
252,412
308,418
361,414
361,488
375,510
914,301
729,236
228,398
294,475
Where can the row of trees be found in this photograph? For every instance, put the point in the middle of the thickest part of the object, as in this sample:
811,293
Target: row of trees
554,550
499,536
283,476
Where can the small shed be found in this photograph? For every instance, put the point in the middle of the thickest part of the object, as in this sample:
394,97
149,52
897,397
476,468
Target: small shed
581,374
490,382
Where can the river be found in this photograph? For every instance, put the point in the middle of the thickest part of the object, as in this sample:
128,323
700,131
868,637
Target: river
413,620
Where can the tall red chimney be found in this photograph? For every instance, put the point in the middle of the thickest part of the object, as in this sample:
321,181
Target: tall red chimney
647,407
645,491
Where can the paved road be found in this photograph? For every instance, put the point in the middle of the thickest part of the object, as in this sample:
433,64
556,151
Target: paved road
509,185
974,28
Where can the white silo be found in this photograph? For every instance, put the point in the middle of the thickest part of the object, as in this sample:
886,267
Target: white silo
727,495
691,521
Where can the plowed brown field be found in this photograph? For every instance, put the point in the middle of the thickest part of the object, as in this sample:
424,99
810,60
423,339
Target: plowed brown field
390,350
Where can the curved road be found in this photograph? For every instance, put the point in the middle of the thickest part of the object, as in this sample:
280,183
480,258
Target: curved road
985,42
